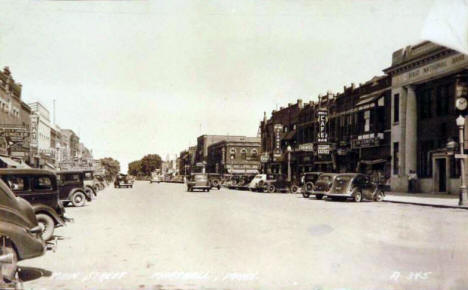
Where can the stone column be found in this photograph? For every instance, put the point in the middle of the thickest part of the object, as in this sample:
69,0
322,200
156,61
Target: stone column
411,130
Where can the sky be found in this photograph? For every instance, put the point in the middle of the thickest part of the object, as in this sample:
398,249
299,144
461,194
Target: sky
142,77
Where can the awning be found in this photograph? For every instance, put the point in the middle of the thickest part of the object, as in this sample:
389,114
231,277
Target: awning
10,162
365,99
372,162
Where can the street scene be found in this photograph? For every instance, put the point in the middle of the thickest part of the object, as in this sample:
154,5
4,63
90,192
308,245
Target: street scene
169,238
233,144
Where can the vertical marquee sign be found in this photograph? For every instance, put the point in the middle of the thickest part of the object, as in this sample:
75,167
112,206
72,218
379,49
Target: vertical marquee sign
277,130
322,136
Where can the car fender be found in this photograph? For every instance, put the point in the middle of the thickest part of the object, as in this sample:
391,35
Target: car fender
27,245
42,208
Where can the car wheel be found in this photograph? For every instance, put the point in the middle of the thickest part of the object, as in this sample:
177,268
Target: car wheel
78,199
379,196
271,188
208,190
8,270
294,188
319,196
309,186
357,196
89,192
305,195
215,183
219,187
47,224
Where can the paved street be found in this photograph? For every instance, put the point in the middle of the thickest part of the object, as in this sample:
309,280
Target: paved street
158,236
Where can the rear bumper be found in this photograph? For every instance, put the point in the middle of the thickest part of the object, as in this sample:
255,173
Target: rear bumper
348,194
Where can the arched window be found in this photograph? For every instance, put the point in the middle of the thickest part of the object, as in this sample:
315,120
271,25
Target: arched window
254,153
232,154
244,154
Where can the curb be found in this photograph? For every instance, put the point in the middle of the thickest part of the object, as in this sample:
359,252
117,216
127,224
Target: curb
427,204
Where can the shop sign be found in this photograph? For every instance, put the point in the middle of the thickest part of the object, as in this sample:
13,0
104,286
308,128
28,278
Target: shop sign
277,129
308,147
322,135
369,142
323,149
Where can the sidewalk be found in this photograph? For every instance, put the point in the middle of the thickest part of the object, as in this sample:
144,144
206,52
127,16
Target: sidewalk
424,199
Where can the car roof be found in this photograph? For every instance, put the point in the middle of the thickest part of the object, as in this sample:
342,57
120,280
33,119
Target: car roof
69,171
24,171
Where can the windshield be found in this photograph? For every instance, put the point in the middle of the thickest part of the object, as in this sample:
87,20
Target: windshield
200,177
343,179
258,177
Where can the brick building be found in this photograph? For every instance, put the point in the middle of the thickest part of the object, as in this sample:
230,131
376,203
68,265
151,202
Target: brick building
234,156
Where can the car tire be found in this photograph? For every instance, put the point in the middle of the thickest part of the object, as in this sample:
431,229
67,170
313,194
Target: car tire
219,186
47,224
357,196
305,195
319,196
271,188
309,186
379,196
78,199
294,188
8,270
89,192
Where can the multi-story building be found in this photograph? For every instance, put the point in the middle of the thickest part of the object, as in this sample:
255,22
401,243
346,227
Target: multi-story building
234,156
44,155
73,143
426,80
187,160
15,122
278,134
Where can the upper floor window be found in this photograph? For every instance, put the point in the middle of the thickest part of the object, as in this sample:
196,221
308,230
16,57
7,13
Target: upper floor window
232,153
396,108
243,154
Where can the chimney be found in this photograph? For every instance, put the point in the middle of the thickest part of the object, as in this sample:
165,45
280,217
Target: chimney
300,104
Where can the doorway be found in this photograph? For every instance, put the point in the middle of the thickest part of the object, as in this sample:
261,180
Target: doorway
441,174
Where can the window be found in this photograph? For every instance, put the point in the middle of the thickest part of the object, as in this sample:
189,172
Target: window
42,183
254,153
16,183
244,154
396,158
367,121
424,158
396,108
232,153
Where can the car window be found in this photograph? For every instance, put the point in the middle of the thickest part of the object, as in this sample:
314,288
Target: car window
88,176
16,183
42,183
71,178
325,178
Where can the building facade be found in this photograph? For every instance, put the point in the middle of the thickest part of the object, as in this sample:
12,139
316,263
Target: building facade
234,157
426,80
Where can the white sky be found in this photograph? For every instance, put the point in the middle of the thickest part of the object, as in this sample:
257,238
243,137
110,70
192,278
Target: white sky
139,77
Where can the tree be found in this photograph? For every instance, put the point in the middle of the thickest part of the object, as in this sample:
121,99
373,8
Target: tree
111,166
150,163
135,168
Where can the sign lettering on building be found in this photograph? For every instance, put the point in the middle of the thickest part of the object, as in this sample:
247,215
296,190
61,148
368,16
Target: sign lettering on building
278,129
16,137
322,136
323,149
425,72
307,147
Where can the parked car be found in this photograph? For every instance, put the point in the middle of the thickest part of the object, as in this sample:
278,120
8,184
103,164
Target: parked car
38,187
99,182
307,182
322,185
278,183
258,182
123,180
20,234
198,181
356,186
89,183
155,178
71,188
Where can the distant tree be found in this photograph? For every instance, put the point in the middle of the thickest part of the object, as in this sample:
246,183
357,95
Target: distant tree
135,168
111,166
150,163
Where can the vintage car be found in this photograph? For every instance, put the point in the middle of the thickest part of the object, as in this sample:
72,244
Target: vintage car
307,182
99,182
38,187
215,180
123,180
321,186
198,181
278,183
20,234
71,188
258,182
155,178
89,183
356,186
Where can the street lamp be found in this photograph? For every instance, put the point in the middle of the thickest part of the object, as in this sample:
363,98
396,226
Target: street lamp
463,192
288,149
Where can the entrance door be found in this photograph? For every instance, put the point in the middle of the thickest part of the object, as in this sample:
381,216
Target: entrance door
442,174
